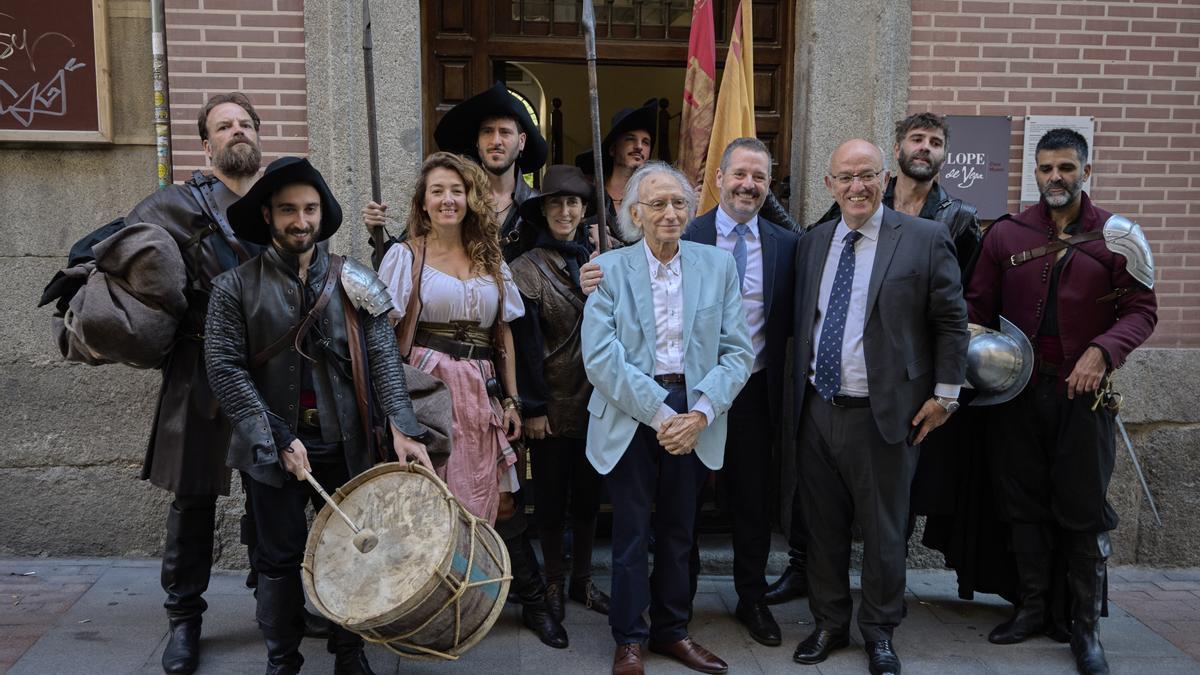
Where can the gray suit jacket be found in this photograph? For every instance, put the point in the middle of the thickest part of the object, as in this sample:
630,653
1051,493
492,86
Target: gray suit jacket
916,327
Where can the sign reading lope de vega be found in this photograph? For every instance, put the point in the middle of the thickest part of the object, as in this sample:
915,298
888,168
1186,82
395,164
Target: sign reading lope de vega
976,168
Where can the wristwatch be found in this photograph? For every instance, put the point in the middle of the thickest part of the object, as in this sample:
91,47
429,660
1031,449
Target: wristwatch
950,405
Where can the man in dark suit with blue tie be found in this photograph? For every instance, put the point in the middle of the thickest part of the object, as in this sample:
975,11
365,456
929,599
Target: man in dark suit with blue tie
880,339
765,255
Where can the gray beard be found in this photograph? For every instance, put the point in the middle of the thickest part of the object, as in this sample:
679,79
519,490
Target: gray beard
1057,202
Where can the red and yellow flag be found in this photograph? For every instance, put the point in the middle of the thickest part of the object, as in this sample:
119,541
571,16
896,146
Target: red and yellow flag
699,93
734,116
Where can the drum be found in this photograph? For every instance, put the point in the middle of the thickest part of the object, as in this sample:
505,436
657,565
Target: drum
435,583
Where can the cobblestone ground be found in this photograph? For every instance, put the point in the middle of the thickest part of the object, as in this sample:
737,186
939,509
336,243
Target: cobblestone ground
105,616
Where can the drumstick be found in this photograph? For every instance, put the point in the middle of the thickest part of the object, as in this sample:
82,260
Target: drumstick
364,537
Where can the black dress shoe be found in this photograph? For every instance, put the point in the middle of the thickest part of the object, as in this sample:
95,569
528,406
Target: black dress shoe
883,660
182,653
537,618
817,646
792,584
758,621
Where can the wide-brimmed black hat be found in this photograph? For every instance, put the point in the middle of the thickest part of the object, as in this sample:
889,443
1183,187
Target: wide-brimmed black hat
245,215
625,119
560,179
458,131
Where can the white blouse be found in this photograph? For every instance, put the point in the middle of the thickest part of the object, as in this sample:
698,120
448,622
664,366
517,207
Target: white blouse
446,298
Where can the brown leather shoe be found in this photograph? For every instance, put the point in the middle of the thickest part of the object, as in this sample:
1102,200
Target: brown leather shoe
628,660
692,655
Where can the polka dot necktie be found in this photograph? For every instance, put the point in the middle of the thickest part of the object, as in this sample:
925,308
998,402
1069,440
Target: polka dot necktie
739,251
828,376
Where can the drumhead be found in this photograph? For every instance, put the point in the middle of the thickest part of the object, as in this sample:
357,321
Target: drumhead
413,520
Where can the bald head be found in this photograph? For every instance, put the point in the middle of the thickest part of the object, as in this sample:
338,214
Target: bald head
856,180
856,147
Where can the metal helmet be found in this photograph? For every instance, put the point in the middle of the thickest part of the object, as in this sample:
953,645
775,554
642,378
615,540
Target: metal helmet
1123,236
999,362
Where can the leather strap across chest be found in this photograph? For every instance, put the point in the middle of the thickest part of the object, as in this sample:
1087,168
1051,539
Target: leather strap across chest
1018,259
295,336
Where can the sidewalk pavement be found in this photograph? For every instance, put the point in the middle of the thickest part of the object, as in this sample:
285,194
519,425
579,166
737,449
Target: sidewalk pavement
105,616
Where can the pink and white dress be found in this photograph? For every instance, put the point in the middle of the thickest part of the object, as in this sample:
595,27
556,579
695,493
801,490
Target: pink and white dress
481,463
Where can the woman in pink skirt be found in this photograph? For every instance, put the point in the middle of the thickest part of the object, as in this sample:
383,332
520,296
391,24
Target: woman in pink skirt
464,298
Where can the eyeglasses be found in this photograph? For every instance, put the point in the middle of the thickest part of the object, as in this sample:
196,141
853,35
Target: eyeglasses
660,205
848,178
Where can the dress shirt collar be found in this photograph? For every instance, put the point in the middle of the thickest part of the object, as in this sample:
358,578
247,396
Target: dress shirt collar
726,223
870,229
654,263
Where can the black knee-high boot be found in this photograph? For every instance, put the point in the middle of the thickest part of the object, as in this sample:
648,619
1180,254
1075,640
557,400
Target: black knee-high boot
278,612
186,565
1033,549
527,585
1087,576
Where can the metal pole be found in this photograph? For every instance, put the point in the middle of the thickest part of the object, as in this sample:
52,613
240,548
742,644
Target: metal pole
589,36
372,130
162,107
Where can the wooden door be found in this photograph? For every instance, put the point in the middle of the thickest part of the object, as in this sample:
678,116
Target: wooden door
467,42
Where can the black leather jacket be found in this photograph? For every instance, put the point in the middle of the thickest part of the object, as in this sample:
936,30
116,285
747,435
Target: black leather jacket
251,307
961,218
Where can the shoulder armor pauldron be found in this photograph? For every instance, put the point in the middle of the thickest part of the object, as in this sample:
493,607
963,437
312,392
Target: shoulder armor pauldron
1123,236
365,289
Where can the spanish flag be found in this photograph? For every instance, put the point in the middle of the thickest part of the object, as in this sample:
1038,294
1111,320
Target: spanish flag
735,101
699,93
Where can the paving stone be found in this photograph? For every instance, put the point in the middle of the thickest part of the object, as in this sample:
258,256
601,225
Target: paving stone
118,626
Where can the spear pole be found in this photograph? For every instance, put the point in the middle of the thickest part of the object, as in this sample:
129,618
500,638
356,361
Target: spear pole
589,35
372,131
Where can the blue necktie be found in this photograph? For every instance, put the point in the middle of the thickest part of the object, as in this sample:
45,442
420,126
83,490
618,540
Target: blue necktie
828,376
739,251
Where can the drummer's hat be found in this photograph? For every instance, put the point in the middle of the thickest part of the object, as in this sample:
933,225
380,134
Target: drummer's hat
245,215
458,131
625,119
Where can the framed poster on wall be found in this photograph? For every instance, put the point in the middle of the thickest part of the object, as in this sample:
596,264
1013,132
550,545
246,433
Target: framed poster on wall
54,72
976,168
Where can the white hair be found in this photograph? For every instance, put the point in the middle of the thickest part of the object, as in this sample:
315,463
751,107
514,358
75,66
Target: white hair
626,228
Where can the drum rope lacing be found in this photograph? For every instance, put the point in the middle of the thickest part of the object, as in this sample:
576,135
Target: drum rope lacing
459,587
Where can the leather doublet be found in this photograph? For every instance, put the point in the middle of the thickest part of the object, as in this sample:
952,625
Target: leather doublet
251,307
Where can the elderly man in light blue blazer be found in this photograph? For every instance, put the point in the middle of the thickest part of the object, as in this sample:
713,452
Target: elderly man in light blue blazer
666,345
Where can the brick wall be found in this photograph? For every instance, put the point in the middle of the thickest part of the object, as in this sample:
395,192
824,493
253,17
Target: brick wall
1131,65
253,46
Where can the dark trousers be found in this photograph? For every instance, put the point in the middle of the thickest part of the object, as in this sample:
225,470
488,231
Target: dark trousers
652,489
746,480
851,476
1051,459
567,483
281,526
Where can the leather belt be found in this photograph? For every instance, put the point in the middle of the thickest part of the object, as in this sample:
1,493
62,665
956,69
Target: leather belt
310,418
1045,368
840,401
454,348
670,378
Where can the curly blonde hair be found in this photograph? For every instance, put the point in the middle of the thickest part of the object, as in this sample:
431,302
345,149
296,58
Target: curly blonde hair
480,231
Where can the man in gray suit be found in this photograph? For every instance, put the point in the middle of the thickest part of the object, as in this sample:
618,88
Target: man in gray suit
881,339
